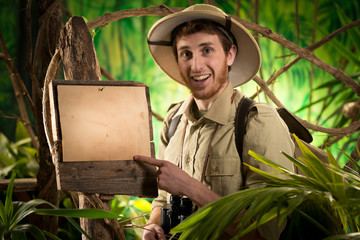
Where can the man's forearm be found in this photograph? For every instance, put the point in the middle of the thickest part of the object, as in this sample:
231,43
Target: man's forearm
155,216
200,194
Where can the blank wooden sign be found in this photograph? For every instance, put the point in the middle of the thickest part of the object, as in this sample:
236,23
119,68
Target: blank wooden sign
103,122
100,126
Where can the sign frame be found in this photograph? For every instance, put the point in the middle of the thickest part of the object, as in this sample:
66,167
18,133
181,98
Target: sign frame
112,177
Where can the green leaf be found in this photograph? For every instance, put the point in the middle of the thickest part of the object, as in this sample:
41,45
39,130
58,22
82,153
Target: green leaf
8,200
90,213
50,235
356,164
6,170
204,224
340,47
5,160
23,209
354,33
77,226
36,202
18,235
21,133
3,218
331,96
35,231
3,143
3,230
316,167
349,236
142,205
325,188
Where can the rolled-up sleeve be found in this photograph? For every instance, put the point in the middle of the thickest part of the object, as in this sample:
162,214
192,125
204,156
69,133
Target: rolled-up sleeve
267,135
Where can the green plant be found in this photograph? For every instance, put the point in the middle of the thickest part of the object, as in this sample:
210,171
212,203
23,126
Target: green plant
18,156
331,192
134,210
13,214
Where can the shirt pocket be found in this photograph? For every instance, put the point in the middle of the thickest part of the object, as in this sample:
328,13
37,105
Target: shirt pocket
223,175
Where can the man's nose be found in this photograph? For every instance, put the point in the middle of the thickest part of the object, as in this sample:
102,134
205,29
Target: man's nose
197,63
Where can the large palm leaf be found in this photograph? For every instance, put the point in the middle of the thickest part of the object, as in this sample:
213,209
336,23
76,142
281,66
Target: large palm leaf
330,190
13,213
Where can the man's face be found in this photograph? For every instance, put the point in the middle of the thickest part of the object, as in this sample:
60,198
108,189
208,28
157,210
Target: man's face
203,64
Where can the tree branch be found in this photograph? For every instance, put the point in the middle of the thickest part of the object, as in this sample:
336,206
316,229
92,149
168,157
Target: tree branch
310,48
303,53
107,18
50,75
352,128
19,90
28,66
28,36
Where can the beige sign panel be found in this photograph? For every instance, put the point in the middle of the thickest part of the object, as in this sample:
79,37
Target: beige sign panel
103,122
95,130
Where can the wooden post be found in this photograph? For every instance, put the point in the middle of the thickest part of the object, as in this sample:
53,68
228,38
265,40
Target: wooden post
79,60
77,52
96,229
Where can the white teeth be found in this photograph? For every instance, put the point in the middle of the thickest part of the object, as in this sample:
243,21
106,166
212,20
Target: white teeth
199,78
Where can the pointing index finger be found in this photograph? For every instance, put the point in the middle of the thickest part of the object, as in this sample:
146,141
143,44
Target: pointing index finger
148,160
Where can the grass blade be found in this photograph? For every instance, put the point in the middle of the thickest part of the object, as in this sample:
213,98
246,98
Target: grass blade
91,213
35,231
8,200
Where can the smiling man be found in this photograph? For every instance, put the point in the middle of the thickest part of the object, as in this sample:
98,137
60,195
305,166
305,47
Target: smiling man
210,53
203,65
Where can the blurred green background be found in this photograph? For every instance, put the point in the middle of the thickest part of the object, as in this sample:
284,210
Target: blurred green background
122,51
121,48
308,91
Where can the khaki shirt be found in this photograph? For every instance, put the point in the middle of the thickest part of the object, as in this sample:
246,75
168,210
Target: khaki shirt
266,134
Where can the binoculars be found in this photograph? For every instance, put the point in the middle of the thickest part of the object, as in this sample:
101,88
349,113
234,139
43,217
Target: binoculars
179,209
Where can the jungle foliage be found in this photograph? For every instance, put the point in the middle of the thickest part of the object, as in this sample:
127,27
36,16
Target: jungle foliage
13,215
307,90
323,203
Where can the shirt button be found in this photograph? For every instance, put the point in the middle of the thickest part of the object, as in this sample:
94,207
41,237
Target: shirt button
216,169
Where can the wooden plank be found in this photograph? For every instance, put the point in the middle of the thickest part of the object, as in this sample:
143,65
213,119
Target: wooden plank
20,184
122,177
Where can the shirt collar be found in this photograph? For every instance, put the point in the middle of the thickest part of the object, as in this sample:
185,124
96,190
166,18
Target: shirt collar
219,110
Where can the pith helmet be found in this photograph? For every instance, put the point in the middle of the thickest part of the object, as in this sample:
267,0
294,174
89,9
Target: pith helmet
246,63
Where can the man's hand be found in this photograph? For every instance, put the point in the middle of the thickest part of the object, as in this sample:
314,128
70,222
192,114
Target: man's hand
175,181
153,232
170,177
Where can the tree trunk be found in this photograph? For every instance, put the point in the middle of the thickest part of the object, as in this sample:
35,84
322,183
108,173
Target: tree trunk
49,30
79,60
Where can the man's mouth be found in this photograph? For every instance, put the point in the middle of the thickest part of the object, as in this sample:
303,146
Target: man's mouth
200,78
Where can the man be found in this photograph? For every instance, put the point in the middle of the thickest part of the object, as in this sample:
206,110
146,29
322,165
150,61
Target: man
197,47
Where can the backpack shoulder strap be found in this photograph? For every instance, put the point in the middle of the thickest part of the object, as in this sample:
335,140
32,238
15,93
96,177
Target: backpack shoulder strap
241,117
173,123
294,125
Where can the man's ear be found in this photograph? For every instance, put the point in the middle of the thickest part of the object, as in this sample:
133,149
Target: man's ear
231,55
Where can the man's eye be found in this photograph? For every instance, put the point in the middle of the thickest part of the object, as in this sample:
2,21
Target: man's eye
207,50
186,54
